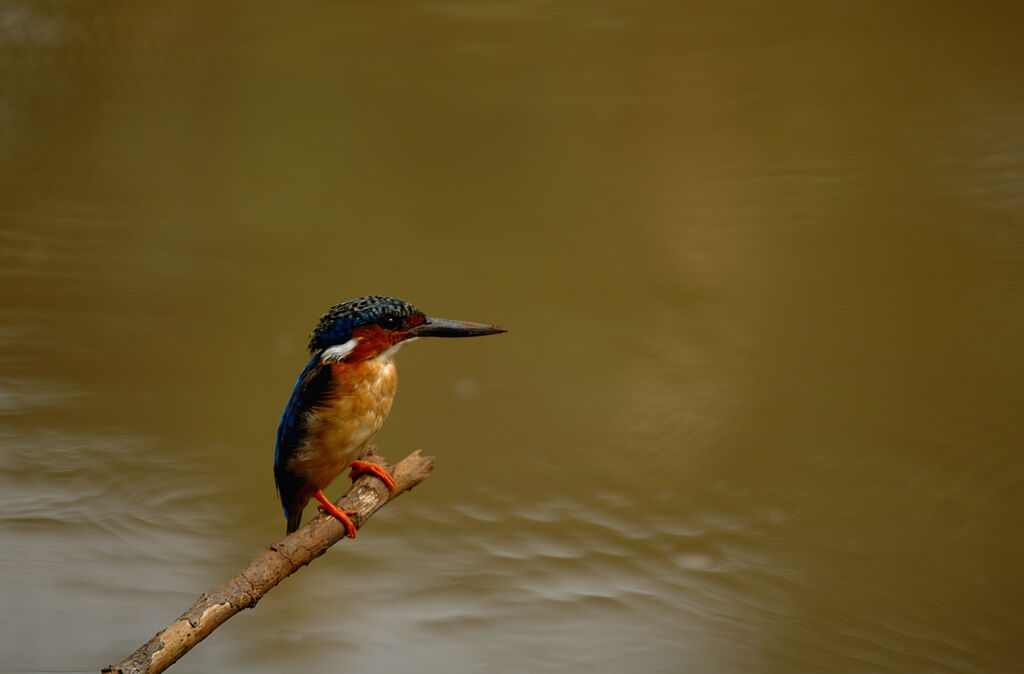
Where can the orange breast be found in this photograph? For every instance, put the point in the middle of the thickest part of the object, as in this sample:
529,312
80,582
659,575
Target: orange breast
338,433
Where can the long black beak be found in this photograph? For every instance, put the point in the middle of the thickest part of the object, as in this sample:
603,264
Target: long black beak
443,327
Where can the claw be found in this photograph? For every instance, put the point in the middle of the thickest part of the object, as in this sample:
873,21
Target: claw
343,515
360,467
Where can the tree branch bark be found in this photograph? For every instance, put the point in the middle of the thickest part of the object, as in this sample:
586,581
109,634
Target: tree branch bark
367,495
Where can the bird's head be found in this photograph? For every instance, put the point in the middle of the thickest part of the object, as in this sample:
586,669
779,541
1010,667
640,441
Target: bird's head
370,326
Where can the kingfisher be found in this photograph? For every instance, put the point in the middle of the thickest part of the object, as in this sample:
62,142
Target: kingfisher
344,394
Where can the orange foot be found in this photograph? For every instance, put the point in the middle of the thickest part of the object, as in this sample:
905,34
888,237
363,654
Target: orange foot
360,467
343,515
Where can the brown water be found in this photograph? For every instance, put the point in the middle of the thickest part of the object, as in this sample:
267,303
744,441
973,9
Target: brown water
759,408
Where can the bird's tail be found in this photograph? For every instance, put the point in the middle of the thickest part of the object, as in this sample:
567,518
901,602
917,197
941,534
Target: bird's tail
294,515
293,500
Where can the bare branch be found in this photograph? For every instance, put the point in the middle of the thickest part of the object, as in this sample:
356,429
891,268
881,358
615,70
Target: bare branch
367,495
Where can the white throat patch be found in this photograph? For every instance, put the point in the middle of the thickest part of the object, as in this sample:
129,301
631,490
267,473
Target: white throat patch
390,353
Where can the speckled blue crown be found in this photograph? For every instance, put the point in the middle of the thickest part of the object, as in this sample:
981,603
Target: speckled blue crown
335,326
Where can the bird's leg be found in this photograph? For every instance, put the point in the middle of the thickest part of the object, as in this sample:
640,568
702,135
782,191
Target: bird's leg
360,467
343,515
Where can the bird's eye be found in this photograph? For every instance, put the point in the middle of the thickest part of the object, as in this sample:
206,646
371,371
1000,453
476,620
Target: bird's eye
389,323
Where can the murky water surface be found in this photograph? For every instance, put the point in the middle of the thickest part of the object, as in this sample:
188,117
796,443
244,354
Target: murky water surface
759,408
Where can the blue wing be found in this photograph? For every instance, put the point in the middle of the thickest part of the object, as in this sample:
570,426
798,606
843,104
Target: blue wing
312,387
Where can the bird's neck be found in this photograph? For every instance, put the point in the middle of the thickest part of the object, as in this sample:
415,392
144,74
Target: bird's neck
374,377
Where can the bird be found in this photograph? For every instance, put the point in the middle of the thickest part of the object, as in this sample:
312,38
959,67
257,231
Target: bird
344,394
